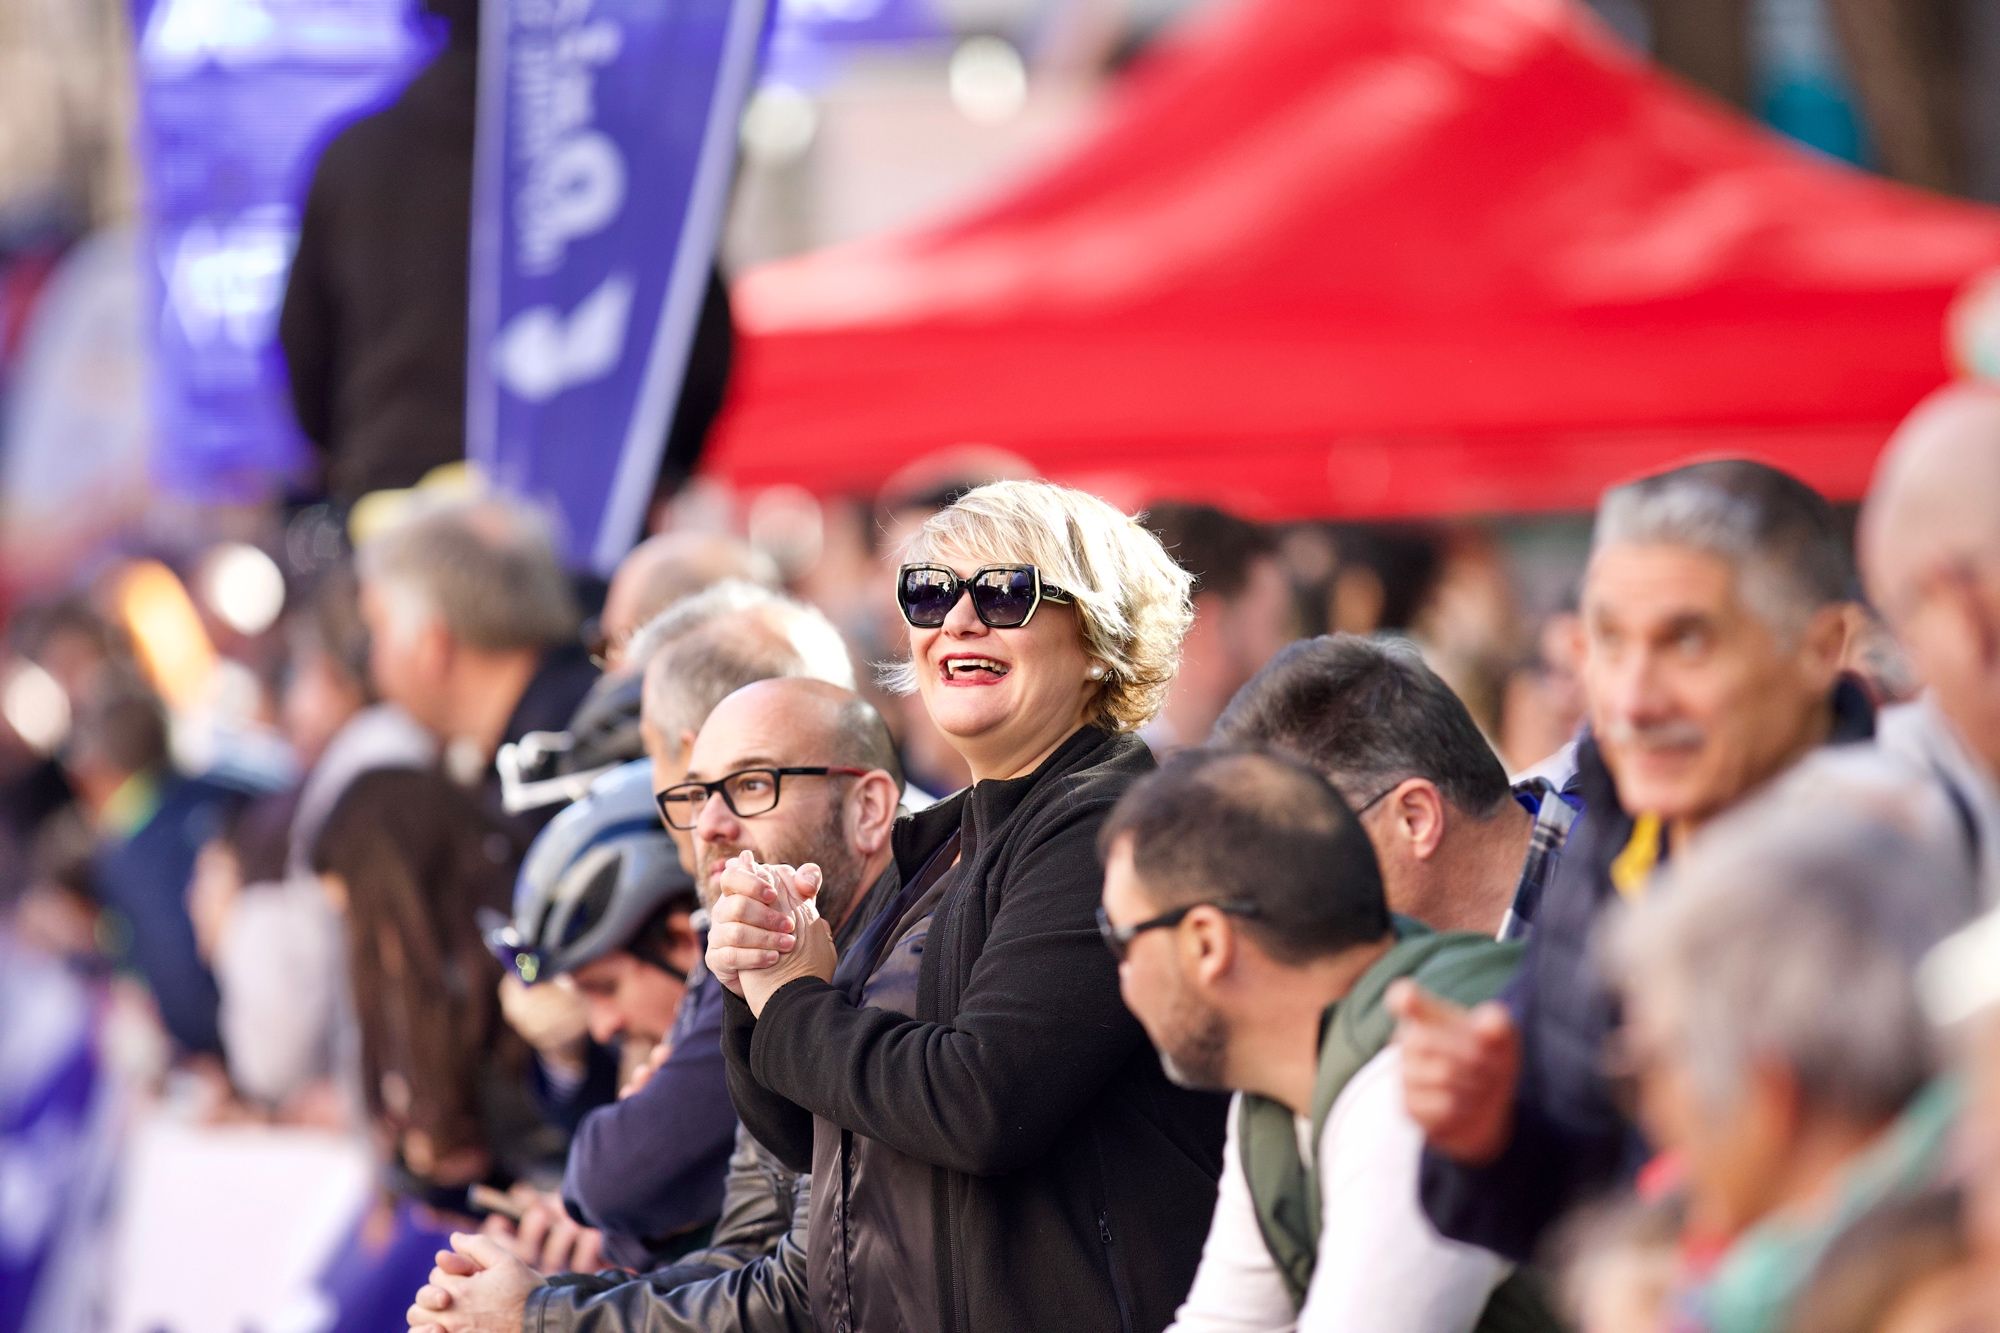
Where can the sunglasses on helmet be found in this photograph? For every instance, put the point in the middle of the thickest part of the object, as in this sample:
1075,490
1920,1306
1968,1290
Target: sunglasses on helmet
1003,596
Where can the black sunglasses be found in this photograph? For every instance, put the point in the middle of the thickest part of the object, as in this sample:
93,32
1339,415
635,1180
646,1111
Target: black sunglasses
1119,939
1003,596
748,792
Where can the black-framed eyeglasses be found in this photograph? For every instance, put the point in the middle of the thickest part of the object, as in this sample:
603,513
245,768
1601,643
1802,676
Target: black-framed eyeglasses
1119,939
748,792
1003,596
1376,799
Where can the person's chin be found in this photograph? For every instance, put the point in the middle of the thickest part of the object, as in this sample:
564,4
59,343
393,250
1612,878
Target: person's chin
1191,1079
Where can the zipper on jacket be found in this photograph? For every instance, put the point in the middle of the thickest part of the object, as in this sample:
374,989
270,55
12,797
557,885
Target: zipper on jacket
1111,1268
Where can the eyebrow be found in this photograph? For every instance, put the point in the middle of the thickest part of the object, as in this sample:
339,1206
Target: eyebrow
747,761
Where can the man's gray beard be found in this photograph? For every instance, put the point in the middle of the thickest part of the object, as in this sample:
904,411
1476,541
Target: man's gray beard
1197,1064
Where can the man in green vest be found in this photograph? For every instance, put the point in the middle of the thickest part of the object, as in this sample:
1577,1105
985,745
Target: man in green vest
1244,905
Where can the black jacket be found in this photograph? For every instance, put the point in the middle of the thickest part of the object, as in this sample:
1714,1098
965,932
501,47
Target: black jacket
1570,1141
752,1276
1070,1185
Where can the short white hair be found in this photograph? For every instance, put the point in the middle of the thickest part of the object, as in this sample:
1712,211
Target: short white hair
1792,930
1778,534
1132,598
706,647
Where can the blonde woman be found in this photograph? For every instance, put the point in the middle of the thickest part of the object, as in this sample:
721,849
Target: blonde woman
992,1142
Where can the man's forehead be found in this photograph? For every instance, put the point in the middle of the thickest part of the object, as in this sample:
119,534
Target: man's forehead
1659,582
770,734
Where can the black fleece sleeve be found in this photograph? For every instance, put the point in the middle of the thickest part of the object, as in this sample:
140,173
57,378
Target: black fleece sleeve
1040,1028
782,1126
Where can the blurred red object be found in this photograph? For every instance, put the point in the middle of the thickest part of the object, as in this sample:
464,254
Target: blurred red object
1352,259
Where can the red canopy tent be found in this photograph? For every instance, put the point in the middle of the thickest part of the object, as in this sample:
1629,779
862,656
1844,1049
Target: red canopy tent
1350,258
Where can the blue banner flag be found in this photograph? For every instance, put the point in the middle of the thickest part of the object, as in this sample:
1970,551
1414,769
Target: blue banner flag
235,99
607,137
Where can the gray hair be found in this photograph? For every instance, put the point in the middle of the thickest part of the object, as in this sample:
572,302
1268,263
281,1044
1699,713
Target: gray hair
1778,534
1792,931
487,568
704,648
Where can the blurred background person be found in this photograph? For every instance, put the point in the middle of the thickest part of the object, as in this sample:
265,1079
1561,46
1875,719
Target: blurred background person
278,946
1773,1041
1243,613
473,632
1930,545
662,571
373,323
1458,848
975,1101
1715,603
410,858
149,822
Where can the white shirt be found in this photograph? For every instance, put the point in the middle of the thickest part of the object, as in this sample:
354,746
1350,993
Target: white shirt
1381,1267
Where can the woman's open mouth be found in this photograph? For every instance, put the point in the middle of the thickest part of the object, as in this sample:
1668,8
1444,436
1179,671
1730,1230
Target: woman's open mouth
966,669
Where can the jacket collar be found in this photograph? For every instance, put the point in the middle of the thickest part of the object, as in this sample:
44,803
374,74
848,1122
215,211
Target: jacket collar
984,806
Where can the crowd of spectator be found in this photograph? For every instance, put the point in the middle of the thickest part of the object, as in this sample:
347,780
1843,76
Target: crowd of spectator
1061,918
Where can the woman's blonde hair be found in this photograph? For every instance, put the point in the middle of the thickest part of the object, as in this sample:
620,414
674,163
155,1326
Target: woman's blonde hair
1132,599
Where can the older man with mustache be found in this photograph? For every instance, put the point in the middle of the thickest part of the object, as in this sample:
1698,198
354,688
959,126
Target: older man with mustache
1715,613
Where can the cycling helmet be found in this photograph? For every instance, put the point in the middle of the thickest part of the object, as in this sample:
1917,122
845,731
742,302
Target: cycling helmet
600,870
547,768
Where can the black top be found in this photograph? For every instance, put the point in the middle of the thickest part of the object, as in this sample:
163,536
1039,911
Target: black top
1070,1183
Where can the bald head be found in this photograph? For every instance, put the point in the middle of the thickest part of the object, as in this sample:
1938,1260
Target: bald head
662,570
1937,487
839,820
1930,547
832,722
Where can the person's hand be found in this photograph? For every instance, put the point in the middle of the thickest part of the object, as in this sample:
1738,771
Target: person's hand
477,1287
748,927
643,1072
213,889
550,1018
546,1238
1460,1067
815,956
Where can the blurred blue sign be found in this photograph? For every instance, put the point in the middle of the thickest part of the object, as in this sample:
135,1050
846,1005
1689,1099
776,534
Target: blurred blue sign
607,138
235,98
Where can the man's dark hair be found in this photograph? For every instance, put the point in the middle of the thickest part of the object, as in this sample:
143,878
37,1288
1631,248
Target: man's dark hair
1215,546
1221,825
1367,713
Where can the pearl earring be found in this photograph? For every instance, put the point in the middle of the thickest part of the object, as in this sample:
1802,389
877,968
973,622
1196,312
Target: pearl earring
1096,671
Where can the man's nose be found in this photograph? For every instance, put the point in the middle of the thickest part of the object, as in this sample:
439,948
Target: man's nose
716,822
606,1023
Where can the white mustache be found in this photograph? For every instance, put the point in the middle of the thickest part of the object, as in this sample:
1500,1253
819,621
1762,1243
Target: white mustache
1677,735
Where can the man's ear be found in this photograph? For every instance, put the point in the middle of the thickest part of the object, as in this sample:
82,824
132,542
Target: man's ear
871,812
1419,815
1823,645
1209,945
435,647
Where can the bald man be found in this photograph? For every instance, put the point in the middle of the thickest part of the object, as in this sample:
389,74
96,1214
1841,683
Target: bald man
838,816
662,570
1930,550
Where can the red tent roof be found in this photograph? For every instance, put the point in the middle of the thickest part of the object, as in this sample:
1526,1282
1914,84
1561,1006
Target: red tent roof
1367,259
